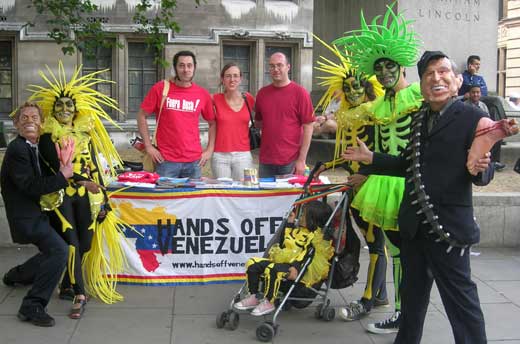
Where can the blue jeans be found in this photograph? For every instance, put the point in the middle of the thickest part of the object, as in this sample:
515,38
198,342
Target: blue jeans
268,170
172,169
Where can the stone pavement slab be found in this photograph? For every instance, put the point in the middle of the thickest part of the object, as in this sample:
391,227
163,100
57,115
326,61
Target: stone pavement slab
178,315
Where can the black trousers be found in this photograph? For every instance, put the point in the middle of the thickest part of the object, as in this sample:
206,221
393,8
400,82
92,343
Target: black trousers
423,261
45,268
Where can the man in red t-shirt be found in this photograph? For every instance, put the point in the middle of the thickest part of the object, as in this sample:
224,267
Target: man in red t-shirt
285,114
178,152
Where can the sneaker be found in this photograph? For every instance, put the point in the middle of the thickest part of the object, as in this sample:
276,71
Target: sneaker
265,307
381,302
390,325
249,302
353,311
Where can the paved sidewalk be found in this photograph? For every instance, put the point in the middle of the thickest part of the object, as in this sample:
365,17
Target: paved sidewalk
165,315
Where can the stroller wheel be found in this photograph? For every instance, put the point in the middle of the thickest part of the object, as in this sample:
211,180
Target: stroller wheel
265,332
233,320
329,313
222,318
318,313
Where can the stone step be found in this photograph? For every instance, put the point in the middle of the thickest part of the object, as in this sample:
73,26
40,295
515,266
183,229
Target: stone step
510,152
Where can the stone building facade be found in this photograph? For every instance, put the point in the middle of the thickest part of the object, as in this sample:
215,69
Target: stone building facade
218,31
508,67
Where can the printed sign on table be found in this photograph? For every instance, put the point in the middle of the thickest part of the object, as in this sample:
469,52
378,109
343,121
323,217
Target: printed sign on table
197,236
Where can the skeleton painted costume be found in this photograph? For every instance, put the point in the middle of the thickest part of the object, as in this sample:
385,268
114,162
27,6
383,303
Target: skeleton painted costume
73,109
379,198
381,48
354,119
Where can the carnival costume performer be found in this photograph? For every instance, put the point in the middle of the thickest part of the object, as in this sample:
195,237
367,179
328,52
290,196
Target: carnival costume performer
355,121
384,49
74,109
287,257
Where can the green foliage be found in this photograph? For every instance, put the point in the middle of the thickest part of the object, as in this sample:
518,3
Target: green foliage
73,25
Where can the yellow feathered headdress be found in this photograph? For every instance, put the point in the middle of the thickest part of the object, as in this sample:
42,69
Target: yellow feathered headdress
89,107
346,117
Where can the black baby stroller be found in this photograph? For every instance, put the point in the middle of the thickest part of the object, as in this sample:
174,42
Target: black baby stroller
344,265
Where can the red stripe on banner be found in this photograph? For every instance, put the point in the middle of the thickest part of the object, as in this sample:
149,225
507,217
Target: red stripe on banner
203,195
181,276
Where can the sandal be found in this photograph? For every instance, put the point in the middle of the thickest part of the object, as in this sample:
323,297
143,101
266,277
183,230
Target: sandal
78,307
66,294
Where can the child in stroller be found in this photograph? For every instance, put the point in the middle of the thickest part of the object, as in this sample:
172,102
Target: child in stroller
286,257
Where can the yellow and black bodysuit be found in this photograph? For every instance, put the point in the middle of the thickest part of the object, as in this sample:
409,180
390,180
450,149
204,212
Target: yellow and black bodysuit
292,251
73,219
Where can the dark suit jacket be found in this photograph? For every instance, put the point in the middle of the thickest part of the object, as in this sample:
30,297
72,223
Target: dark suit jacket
22,186
446,180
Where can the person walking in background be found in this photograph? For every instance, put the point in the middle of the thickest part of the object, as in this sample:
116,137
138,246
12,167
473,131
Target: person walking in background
22,186
178,152
470,77
284,113
232,152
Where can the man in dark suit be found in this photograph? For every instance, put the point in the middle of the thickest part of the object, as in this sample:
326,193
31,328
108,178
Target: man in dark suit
22,185
436,215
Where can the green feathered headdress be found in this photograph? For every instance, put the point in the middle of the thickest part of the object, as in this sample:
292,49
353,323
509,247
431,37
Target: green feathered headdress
392,39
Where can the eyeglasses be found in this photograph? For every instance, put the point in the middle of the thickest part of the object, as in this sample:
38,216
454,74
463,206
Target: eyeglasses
231,76
276,66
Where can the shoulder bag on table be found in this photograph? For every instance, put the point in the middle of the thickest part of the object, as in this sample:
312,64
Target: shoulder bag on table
148,163
254,133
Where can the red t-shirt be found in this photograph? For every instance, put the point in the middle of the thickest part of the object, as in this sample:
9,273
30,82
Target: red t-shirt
232,126
178,137
283,111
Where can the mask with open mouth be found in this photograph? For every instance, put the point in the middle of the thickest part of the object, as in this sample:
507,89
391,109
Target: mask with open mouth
387,72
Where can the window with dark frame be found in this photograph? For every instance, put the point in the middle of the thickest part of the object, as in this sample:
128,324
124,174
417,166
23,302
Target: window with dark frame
269,50
6,79
101,61
142,75
241,55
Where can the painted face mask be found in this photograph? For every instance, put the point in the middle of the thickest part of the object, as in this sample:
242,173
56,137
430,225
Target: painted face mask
354,91
387,72
64,110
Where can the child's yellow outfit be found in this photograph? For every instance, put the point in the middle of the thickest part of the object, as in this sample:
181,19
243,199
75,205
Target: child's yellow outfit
292,251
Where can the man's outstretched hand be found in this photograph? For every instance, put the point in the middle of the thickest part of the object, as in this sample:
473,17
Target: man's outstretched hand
360,153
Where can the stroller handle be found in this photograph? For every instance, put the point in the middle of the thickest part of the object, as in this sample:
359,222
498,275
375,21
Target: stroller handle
311,175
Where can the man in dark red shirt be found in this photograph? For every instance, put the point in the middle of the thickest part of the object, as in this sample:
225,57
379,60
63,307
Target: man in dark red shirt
285,114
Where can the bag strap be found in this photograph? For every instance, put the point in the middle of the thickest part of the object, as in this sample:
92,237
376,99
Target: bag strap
248,109
166,88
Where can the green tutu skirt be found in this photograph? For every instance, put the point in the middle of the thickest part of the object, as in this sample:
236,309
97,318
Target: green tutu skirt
379,199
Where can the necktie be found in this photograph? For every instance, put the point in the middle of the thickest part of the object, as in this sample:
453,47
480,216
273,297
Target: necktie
34,149
433,119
